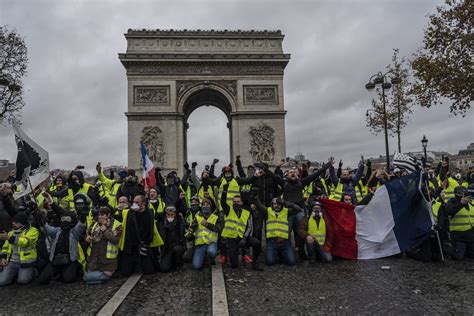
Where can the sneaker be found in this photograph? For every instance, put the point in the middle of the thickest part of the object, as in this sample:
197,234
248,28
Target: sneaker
223,259
247,259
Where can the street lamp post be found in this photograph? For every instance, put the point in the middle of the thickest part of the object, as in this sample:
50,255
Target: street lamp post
381,79
424,143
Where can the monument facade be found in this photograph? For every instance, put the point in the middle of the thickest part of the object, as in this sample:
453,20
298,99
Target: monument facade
171,73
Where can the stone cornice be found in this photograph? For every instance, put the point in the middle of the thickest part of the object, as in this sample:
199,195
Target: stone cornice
203,33
258,114
209,57
205,67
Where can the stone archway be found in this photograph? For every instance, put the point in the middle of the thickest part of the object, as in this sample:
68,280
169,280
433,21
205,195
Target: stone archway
171,73
205,96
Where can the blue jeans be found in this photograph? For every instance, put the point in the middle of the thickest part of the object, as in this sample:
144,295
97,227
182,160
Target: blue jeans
24,275
315,248
293,221
95,277
200,254
284,248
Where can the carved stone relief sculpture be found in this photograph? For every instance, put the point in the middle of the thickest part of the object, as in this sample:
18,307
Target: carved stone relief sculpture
152,95
262,138
152,137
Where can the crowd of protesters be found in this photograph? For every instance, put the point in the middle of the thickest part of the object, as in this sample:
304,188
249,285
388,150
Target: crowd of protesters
117,226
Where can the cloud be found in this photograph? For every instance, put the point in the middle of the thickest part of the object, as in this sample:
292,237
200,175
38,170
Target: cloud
76,87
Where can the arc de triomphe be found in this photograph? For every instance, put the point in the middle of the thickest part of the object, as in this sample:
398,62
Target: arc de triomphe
171,73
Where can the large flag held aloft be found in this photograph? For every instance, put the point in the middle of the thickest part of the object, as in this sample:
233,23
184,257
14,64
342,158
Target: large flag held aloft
148,169
32,163
407,162
397,218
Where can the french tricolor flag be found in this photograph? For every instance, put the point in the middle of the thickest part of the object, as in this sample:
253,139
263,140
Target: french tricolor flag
397,218
148,169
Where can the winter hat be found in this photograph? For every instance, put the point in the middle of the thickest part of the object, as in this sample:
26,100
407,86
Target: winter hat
21,218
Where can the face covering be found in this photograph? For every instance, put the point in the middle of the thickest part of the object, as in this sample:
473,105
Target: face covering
18,230
458,176
346,180
194,207
206,211
135,207
153,201
277,208
170,219
237,207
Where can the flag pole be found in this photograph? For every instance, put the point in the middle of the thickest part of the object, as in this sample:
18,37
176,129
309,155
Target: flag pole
435,230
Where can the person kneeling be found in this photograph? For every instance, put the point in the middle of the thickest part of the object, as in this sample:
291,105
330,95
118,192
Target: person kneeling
277,230
205,237
102,253
66,257
171,227
313,230
18,255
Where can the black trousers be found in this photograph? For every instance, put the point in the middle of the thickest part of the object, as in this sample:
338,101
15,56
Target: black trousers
172,258
68,272
233,245
131,262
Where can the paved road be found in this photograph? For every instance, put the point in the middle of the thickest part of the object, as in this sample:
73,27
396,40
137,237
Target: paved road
361,287
174,293
56,298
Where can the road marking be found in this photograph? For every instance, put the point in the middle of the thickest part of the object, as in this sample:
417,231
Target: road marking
219,296
113,304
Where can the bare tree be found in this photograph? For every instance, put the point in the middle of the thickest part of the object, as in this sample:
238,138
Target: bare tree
13,63
398,102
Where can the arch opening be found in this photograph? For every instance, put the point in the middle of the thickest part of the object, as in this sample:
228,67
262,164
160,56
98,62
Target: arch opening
207,127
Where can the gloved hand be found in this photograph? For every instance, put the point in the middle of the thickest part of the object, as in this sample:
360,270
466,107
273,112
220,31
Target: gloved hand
369,163
242,242
215,161
186,166
194,164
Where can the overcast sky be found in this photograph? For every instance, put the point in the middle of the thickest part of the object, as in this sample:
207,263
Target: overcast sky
75,90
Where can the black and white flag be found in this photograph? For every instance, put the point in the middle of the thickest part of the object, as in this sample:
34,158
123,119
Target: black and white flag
32,163
406,162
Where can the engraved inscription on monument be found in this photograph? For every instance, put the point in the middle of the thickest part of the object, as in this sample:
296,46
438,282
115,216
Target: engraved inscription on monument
260,95
151,95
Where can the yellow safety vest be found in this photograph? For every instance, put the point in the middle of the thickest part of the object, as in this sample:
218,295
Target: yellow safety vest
463,220
204,236
112,248
435,209
277,226
26,247
232,190
449,191
70,195
188,194
234,226
201,192
309,189
160,209
338,192
156,242
317,231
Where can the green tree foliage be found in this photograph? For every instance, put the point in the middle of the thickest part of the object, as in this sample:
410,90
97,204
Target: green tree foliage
443,68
